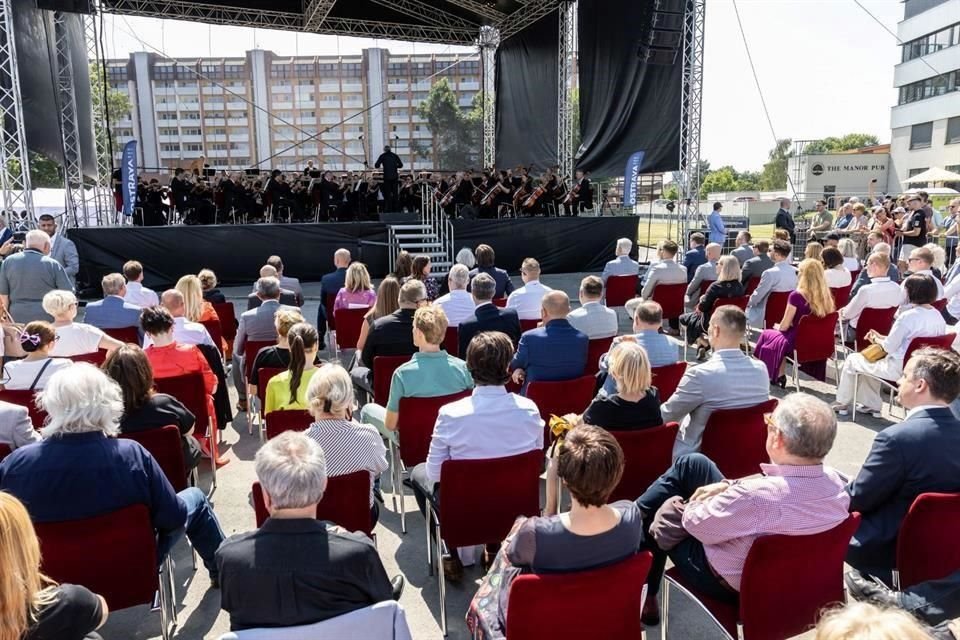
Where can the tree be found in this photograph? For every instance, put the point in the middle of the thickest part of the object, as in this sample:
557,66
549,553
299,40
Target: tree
844,143
456,135
117,108
774,174
722,180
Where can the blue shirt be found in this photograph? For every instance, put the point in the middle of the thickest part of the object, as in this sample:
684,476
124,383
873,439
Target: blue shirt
693,259
718,233
661,351
556,351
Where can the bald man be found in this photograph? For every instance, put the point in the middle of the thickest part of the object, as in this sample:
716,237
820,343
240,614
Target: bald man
287,297
553,351
184,331
330,285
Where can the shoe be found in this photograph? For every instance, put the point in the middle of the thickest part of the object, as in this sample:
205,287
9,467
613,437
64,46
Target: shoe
876,413
214,582
378,495
701,354
452,568
241,405
650,616
782,382
867,589
397,584
840,409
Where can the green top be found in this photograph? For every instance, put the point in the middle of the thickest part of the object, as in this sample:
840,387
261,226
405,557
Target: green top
428,375
822,218
278,391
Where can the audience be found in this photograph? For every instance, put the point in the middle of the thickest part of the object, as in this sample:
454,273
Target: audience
112,312
403,266
195,308
921,264
208,282
744,250
665,271
286,282
357,291
760,262
330,285
420,270
27,276
32,372
184,331
466,258
388,295
879,293
636,403
726,285
892,272
696,256
848,248
486,315
288,390
933,601
661,350
526,300
623,264
257,325
814,251
705,273
16,428
554,351
593,318
835,272
781,277
137,294
277,356
458,304
73,338
861,621
486,259
287,297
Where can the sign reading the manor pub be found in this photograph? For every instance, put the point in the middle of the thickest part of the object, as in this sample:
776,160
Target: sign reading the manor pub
821,168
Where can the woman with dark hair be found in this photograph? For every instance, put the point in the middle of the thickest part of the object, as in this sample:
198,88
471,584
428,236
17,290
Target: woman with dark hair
144,408
403,266
37,339
835,271
288,390
421,272
277,356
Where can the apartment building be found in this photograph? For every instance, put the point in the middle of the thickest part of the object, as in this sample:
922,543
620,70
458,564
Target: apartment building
268,111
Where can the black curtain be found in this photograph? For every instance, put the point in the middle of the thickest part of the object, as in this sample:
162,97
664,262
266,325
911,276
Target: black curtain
625,104
527,70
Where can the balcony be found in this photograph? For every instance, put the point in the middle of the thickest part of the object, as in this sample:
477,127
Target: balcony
330,120
187,139
352,87
183,90
238,122
216,138
399,103
278,106
306,104
237,105
214,122
468,86
169,154
239,137
217,153
165,106
213,91
306,120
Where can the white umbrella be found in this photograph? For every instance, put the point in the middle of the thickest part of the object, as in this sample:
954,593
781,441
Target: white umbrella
934,174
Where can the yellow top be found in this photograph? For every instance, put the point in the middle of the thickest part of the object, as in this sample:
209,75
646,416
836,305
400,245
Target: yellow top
278,391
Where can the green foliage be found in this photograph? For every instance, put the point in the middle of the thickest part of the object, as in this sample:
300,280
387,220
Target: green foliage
774,174
44,172
457,135
844,143
727,179
671,192
117,108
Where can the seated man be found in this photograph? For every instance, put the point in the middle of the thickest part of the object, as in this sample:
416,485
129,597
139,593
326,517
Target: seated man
707,272
760,262
554,351
16,429
919,455
112,312
780,277
526,299
881,293
796,495
295,569
864,278
934,602
286,282
661,349
623,264
744,250
430,373
920,263
593,318
696,256
287,297
87,472
486,315
137,294
184,331
257,325
709,386
486,259
666,271
458,305
330,285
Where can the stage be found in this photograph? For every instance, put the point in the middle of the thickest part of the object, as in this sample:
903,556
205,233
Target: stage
236,252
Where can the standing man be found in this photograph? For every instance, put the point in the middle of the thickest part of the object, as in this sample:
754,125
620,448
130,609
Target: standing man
718,233
390,163
784,219
27,276
913,230
61,249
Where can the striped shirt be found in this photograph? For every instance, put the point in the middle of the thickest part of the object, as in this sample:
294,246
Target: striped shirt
350,446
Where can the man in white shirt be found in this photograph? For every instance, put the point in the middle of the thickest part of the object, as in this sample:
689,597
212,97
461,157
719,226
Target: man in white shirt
623,264
137,294
881,293
593,317
526,300
920,262
184,331
458,304
952,290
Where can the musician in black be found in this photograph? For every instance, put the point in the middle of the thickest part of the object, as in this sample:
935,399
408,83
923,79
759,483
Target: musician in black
179,188
409,196
581,196
391,165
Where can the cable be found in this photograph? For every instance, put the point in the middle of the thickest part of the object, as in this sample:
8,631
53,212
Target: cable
895,36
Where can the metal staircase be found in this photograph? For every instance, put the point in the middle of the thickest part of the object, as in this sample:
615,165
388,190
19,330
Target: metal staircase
432,236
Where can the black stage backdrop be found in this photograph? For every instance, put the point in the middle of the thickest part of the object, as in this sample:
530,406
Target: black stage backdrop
625,104
527,70
236,253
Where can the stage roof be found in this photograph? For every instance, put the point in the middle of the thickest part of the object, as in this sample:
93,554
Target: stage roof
440,21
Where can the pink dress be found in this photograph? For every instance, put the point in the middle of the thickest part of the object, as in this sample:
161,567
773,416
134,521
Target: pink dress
345,299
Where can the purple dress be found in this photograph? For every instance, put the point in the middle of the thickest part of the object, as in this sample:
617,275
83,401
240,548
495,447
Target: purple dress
773,345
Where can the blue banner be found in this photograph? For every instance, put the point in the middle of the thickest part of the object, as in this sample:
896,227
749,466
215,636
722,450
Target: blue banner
128,177
630,179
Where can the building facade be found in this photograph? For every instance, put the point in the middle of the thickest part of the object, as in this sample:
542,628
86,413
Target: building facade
925,122
829,176
267,111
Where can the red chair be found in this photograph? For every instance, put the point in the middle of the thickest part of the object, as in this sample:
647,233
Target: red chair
112,554
841,295
96,358
124,334
264,375
595,350
752,285
328,302
927,543
451,341
667,378
527,325
815,566
500,302
940,305
25,398
215,330
704,285
647,455
854,275
739,302
190,391
228,319
776,305
349,322
250,350
346,502
815,342
165,446
5,450
473,512
671,298
879,320
620,289
383,368
286,420
561,397
736,439
614,593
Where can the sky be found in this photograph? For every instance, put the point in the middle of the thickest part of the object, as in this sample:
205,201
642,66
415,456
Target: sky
825,67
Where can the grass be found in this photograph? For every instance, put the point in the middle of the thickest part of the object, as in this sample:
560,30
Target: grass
650,233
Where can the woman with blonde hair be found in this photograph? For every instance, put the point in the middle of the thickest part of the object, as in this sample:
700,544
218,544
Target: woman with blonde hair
357,292
277,356
195,308
32,606
636,404
73,338
812,296
939,265
863,621
813,251
727,285
388,301
848,248
208,282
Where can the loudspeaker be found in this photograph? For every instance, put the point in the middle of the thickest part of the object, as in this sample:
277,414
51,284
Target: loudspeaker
67,6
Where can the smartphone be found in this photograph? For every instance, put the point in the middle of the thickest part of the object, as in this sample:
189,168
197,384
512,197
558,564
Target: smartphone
20,237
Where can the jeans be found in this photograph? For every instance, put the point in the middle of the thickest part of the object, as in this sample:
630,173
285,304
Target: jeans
934,601
202,529
362,378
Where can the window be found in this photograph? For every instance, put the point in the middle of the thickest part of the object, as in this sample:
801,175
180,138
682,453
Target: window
921,135
191,132
931,43
953,130
193,147
956,169
170,148
930,87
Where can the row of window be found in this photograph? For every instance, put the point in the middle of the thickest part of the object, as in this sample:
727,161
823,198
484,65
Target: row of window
930,87
310,70
932,42
921,135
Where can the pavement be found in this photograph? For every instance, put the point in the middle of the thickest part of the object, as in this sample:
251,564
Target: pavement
199,613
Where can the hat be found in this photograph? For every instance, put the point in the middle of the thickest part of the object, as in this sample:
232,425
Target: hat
899,210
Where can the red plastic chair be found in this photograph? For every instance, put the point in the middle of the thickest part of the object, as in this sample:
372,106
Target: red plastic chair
776,305
841,295
736,439
671,298
25,398
346,502
228,319
879,320
96,358
927,543
215,330
286,420
349,322
124,334
667,378
613,594
500,302
854,275
815,566
250,350
704,285
5,450
451,341
527,325
112,554
383,368
620,289
739,302
815,342
595,350
561,397
940,305
191,393
473,512
752,285
647,455
165,446
264,375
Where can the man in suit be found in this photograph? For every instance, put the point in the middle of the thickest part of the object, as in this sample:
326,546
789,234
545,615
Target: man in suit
876,246
486,259
16,429
258,325
919,455
707,272
6,233
696,256
487,316
718,232
112,312
784,219
666,271
554,351
780,277
61,249
391,164
760,262
27,276
623,264
287,297
330,285
593,318
709,386
286,282
744,250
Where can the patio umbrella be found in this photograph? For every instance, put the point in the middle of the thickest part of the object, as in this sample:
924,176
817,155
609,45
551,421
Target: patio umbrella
934,174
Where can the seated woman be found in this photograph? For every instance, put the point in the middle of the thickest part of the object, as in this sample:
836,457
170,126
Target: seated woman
421,271
636,404
813,251
592,534
144,408
357,292
727,285
811,297
288,390
208,283
33,606
347,445
277,356
195,308
388,301
73,338
848,249
38,340
836,274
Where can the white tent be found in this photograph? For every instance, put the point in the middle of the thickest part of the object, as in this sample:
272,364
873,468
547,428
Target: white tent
934,174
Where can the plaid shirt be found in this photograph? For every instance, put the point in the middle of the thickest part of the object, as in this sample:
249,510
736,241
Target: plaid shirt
789,500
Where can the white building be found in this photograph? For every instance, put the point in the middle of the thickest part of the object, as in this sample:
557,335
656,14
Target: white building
859,172
925,123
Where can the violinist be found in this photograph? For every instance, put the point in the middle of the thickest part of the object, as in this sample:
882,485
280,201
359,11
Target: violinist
580,196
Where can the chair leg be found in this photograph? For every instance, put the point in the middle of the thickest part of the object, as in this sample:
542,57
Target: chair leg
896,580
167,590
442,581
856,384
664,607
739,631
796,371
429,540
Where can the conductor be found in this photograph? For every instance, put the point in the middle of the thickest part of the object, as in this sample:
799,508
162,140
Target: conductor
390,163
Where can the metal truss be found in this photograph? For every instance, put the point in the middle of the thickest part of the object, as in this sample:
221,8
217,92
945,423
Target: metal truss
690,110
99,198
315,12
424,11
489,41
527,15
565,119
481,9
69,124
14,162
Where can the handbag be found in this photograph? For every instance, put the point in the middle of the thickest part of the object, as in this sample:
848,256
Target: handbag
873,353
11,335
667,527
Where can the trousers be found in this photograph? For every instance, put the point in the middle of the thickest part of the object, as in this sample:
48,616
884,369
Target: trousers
202,529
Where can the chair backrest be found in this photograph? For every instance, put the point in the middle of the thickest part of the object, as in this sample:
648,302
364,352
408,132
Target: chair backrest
752,285
264,374
346,502
287,420
560,397
451,341
5,450
165,446
381,620
736,439
944,342
215,330
667,378
620,289
228,319
841,295
383,368
416,418
815,566
670,298
854,275
879,320
191,393
776,305
250,350
613,596
474,512
95,358
704,285
647,455
816,339
124,334
500,302
940,304
349,323
113,554
595,350
739,302
927,546
328,301
25,398
527,325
